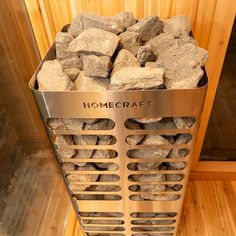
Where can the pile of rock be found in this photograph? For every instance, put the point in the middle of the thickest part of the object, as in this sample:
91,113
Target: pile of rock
120,53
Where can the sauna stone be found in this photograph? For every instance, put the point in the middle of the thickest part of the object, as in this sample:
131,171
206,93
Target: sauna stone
69,124
74,62
51,77
137,78
68,166
133,139
124,59
89,84
177,23
148,27
164,123
124,19
84,21
95,66
62,42
92,41
148,120
179,152
184,122
85,140
72,73
61,140
145,54
163,42
104,124
130,41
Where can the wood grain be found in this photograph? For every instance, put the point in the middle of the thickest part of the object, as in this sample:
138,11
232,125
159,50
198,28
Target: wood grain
19,58
209,209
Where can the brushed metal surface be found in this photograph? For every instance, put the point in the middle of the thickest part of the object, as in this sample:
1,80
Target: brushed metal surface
120,106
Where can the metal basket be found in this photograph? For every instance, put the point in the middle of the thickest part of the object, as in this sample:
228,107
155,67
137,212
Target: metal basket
126,215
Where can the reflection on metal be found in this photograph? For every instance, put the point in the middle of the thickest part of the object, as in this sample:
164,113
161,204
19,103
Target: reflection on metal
120,106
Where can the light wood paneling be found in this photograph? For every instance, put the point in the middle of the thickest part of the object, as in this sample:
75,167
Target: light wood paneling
209,209
19,58
212,22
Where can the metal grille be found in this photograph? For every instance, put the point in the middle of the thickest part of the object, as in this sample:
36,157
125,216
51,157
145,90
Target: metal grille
125,208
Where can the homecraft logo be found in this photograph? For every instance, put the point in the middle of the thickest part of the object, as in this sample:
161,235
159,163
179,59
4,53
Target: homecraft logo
141,104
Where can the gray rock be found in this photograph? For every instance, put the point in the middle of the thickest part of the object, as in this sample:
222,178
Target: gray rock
124,19
152,188
74,62
84,21
72,73
150,153
104,124
145,54
95,66
109,178
178,152
61,140
165,123
89,84
59,123
62,42
173,178
184,122
137,78
68,166
183,76
51,77
187,54
148,177
163,42
104,153
124,59
130,41
148,27
95,41
177,23
85,140
148,120
133,139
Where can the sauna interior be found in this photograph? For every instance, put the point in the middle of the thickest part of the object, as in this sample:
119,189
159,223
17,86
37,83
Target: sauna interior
33,196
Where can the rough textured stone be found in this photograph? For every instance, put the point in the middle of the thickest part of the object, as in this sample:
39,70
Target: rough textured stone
148,27
61,140
163,42
150,153
104,124
104,153
133,139
95,41
145,54
183,76
74,62
137,78
85,21
148,177
96,66
82,178
85,140
62,42
59,123
68,166
88,84
109,178
124,59
130,41
151,188
165,123
51,77
124,19
184,122
178,153
177,23
148,120
72,73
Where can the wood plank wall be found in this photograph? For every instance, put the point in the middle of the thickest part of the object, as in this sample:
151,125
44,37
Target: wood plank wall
212,22
19,58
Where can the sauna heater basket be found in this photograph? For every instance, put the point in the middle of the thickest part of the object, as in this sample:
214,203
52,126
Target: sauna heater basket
122,210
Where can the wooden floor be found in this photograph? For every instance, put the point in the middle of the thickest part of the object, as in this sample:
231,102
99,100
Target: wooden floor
209,210
220,140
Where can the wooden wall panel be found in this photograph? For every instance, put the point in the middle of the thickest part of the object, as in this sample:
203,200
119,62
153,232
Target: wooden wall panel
19,58
49,16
